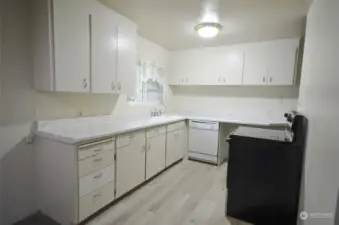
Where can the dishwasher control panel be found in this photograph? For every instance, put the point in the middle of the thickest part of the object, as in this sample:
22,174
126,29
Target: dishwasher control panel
203,125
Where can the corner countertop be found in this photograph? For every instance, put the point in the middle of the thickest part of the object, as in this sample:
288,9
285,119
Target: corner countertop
80,130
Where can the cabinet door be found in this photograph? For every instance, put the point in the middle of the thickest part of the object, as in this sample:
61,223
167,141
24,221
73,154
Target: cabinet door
104,50
182,143
170,148
188,67
176,146
131,164
72,45
233,64
255,68
282,62
155,155
177,67
223,66
127,57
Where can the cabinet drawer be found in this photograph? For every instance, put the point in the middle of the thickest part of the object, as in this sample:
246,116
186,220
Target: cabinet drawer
95,180
94,201
92,164
127,139
176,126
95,148
152,132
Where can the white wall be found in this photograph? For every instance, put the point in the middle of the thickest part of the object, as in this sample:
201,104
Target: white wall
319,93
218,99
20,105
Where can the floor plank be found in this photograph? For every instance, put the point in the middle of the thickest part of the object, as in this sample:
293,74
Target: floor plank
190,193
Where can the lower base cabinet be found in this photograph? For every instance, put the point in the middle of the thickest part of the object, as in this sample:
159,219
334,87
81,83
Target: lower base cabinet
130,161
95,174
176,145
156,151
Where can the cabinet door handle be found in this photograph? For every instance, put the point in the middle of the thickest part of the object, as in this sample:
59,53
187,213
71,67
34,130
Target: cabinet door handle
143,148
113,86
97,150
84,83
98,176
97,195
264,79
98,159
224,79
271,79
119,86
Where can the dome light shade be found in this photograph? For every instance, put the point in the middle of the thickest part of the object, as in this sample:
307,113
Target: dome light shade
208,30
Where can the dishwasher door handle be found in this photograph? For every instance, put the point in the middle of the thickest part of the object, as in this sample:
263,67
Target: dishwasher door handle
203,122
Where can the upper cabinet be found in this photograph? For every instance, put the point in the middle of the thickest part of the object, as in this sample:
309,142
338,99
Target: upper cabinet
224,66
104,49
127,57
255,67
185,66
77,45
282,62
264,63
271,63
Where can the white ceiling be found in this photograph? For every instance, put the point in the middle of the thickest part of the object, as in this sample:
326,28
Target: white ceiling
170,23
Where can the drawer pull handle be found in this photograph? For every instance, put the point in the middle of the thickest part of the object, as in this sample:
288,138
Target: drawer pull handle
97,195
97,160
97,150
98,176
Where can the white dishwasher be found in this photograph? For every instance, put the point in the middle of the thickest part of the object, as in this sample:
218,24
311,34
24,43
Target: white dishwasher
203,142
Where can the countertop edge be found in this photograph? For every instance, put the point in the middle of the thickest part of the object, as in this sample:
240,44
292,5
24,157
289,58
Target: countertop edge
79,141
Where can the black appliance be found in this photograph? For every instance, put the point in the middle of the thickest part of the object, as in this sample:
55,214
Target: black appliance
264,173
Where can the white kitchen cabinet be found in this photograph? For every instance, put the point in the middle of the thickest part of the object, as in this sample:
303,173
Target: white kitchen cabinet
127,57
155,151
185,66
271,63
263,63
255,68
83,177
130,161
83,46
176,145
282,62
62,45
224,66
104,30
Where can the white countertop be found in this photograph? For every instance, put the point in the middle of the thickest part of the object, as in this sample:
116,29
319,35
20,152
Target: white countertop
73,131
78,130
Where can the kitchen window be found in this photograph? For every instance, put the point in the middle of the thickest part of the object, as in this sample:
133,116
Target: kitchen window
150,83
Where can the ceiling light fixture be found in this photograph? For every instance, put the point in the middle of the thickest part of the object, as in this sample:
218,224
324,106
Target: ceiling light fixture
209,25
208,30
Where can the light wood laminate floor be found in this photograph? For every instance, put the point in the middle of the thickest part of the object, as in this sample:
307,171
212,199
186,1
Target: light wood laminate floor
189,193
